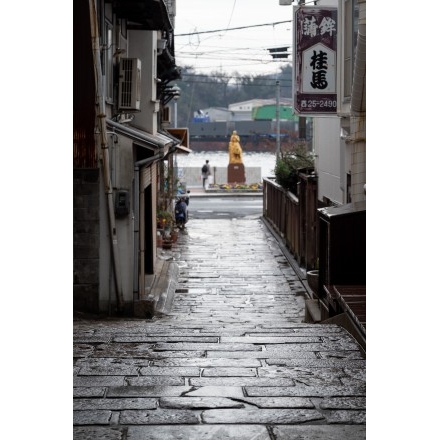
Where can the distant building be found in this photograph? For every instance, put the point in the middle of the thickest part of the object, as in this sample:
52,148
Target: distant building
252,119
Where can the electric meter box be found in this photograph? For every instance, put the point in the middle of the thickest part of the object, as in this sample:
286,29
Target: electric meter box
122,203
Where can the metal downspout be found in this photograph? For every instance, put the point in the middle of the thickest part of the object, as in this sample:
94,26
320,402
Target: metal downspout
358,103
104,156
357,137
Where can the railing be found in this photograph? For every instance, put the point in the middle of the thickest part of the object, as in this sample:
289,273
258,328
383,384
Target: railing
294,218
281,208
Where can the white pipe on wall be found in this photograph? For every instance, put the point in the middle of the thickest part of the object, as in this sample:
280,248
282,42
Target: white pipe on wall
104,156
358,98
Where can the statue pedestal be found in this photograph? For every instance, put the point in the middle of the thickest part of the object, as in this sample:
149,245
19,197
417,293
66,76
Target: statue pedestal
236,173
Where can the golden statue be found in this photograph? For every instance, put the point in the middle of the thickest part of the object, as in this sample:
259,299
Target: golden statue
235,151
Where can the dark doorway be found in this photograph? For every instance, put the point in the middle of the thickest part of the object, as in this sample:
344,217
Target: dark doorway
148,228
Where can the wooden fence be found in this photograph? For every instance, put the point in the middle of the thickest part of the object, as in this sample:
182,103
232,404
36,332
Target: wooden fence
294,217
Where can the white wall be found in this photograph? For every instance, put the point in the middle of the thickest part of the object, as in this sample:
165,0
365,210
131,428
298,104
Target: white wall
326,145
358,160
142,45
122,176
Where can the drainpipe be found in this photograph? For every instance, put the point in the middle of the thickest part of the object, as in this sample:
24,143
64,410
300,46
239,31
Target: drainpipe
104,156
277,115
358,104
358,110
145,162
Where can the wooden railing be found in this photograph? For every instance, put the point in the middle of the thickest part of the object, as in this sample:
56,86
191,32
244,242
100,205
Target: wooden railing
294,218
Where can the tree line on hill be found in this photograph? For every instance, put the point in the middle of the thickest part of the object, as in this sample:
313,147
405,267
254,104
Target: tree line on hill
219,89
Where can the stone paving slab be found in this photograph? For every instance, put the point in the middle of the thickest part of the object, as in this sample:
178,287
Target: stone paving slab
97,433
158,417
305,391
229,371
111,370
97,381
205,432
155,380
150,391
222,432
270,339
230,358
89,392
114,404
162,338
314,363
240,381
280,402
199,402
319,432
260,354
170,371
92,417
91,363
204,362
343,403
217,391
265,416
165,346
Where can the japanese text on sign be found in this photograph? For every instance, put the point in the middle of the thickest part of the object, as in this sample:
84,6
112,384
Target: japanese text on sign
315,60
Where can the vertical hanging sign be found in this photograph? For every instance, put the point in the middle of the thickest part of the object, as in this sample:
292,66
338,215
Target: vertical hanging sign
315,49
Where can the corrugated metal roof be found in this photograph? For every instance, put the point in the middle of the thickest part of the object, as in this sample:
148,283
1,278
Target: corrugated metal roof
143,138
143,14
268,112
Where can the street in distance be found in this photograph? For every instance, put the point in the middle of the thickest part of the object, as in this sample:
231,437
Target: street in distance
225,207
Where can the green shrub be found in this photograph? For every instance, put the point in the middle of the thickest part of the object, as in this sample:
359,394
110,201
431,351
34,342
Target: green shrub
289,163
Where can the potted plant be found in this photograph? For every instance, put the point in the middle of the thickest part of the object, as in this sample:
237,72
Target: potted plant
167,244
164,219
159,239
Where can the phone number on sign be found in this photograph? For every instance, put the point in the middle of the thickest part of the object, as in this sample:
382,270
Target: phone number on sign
322,103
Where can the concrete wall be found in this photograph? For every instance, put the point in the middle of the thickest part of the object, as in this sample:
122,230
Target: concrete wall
358,160
192,175
121,166
326,145
142,45
86,240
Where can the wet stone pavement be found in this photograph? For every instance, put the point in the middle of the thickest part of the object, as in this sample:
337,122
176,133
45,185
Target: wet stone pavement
230,358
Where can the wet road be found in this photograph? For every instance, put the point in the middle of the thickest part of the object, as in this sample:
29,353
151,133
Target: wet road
225,208
229,359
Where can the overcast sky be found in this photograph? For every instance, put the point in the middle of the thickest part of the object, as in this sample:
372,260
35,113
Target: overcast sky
242,50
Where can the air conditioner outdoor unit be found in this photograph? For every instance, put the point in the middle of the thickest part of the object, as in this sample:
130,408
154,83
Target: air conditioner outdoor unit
129,97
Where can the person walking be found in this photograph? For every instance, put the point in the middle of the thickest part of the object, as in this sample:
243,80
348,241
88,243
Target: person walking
206,172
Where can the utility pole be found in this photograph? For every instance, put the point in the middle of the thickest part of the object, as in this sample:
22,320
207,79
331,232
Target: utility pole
277,115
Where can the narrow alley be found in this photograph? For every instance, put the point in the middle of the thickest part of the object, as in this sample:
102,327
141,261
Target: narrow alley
230,357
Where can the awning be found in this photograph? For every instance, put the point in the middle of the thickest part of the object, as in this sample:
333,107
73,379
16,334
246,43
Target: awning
182,149
182,135
144,14
143,138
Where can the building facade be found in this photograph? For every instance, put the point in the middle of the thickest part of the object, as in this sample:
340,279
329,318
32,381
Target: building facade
339,142
123,69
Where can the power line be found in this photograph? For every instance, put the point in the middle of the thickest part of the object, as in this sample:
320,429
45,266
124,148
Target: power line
269,83
210,76
233,29
232,13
